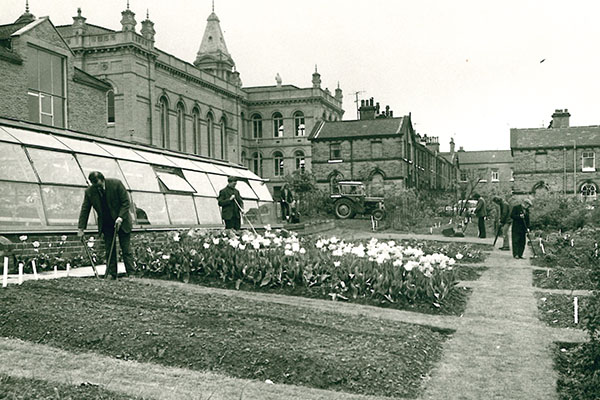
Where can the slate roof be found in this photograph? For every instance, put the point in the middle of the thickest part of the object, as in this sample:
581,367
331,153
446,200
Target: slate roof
7,30
329,130
584,136
87,79
484,157
67,30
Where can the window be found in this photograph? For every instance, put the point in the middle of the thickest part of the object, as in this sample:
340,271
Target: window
110,106
243,124
299,158
278,163
588,161
277,125
196,130
376,149
257,164
164,122
541,160
46,92
180,127
223,136
377,185
495,176
463,176
512,175
588,191
335,151
299,127
256,126
209,134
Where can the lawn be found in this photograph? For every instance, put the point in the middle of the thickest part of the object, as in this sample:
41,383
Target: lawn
244,339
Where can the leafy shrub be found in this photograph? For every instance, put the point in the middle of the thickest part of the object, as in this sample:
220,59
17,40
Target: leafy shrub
554,212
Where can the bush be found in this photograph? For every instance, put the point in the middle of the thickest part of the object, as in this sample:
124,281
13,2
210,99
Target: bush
553,212
409,209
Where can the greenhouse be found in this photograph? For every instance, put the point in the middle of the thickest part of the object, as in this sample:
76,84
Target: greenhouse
43,175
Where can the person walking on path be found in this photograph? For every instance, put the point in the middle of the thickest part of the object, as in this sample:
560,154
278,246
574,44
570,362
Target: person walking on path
231,204
502,221
110,200
520,227
480,213
286,198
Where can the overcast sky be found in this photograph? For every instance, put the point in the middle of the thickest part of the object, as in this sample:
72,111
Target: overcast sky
471,69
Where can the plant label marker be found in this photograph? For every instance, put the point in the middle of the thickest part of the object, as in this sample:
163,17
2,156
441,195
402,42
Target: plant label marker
55,271
542,246
68,268
35,275
5,273
547,272
576,309
20,274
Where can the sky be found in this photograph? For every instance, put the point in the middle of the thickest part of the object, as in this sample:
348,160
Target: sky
464,69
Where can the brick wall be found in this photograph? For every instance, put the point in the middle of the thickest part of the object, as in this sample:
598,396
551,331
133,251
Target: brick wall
86,108
13,86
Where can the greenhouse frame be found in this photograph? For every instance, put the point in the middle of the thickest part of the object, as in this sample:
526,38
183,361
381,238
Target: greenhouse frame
43,175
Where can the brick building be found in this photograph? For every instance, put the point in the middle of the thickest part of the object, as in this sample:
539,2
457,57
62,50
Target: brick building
381,150
560,158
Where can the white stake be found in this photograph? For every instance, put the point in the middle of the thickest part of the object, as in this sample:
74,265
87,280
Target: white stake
430,231
35,275
68,268
5,273
548,273
55,271
576,309
20,273
542,246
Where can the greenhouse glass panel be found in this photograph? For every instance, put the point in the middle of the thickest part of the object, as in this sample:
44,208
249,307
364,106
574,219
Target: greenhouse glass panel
20,205
35,138
208,209
122,152
207,167
200,182
268,213
218,182
56,167
82,146
247,174
154,158
150,208
108,166
245,190
181,209
232,171
4,136
261,190
174,182
139,176
14,164
252,212
183,163
63,204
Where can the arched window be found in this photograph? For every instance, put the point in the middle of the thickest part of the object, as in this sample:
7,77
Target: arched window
256,126
377,186
243,160
243,124
299,127
277,125
180,127
278,163
209,134
223,137
196,129
110,106
257,164
164,122
589,191
299,158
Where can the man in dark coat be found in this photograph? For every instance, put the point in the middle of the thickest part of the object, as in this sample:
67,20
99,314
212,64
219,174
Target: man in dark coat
520,227
502,221
480,213
286,197
231,204
110,200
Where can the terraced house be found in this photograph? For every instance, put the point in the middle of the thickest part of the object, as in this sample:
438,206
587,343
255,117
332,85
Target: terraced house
381,150
151,97
560,158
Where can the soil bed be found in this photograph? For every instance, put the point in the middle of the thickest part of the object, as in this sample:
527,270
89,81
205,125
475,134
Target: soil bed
30,389
469,272
564,278
557,310
575,370
245,339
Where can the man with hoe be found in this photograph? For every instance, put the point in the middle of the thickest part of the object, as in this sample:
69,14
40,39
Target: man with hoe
231,204
502,221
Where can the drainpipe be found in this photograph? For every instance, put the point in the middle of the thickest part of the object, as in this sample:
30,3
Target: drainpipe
574,168
351,162
564,170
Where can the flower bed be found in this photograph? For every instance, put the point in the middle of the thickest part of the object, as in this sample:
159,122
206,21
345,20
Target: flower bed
569,249
576,278
557,311
469,272
576,364
376,272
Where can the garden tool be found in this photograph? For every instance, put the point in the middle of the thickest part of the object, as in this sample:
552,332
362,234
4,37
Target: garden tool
244,215
87,251
498,233
529,238
112,246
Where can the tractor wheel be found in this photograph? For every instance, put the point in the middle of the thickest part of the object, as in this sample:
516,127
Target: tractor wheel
378,215
344,209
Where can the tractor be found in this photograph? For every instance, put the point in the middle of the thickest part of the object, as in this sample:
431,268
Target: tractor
349,198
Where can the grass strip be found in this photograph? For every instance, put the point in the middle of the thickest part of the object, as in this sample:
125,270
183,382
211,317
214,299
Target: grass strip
253,340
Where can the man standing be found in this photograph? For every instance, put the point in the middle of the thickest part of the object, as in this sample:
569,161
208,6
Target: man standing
502,221
520,227
286,199
231,204
480,213
111,203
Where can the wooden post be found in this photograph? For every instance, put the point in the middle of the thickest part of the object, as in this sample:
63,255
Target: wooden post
5,273
55,271
35,274
68,268
20,273
576,309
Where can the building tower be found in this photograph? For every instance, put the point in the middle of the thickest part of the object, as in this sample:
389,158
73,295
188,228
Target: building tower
26,17
213,56
128,20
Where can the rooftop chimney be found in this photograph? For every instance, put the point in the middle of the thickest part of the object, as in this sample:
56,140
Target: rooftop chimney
452,145
560,118
367,109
